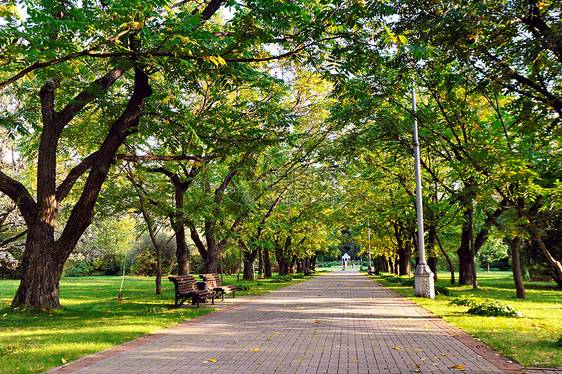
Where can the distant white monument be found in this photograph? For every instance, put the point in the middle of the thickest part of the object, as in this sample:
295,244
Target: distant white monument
345,258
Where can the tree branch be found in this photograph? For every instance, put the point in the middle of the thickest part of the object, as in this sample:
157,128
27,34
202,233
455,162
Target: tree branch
135,158
19,194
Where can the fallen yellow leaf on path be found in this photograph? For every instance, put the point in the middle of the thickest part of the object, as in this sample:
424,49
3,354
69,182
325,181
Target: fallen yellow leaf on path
212,360
256,350
398,348
460,367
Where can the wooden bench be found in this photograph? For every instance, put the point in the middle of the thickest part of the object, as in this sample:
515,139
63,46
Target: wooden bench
214,283
186,286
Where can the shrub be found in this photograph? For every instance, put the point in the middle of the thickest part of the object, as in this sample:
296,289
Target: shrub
144,265
410,282
559,342
486,307
108,264
463,301
281,278
442,290
493,308
393,279
80,269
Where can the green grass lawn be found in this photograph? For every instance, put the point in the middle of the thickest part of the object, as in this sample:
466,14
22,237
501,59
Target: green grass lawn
91,319
531,340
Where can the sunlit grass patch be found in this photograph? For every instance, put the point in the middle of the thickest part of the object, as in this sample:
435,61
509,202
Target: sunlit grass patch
530,340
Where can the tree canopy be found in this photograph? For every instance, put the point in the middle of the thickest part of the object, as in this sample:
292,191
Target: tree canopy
271,126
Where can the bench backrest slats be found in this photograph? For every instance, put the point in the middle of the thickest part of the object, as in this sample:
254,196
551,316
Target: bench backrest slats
184,283
213,280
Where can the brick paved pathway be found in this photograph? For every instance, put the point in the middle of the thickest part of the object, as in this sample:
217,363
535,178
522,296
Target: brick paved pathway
340,322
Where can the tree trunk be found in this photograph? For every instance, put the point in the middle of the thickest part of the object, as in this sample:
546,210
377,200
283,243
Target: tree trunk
41,272
211,262
158,271
249,259
515,245
282,255
432,263
44,257
267,263
472,247
182,251
432,252
260,263
211,255
248,270
178,225
466,260
300,265
404,258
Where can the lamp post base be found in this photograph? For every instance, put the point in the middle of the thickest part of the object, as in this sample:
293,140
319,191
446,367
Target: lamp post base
423,279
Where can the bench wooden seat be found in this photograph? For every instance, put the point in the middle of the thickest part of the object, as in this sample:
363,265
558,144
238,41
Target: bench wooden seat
186,287
214,283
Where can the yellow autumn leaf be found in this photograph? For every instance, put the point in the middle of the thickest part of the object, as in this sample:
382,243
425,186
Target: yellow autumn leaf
221,61
460,367
212,360
398,348
63,360
276,333
256,350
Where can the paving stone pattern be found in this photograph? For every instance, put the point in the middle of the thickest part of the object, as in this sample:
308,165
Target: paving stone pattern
341,322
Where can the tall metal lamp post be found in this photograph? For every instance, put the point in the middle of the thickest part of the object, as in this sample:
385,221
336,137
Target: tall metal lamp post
423,276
